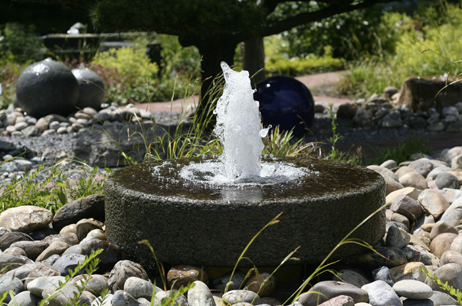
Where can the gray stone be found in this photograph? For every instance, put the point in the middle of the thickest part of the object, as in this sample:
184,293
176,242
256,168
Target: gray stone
65,296
10,284
24,298
389,164
407,207
433,202
36,286
95,283
397,238
381,294
155,211
422,166
103,116
123,270
384,274
20,126
239,296
110,253
25,218
446,180
451,273
31,248
434,173
122,298
237,281
351,277
41,270
103,145
442,298
454,212
47,87
56,247
10,238
347,110
200,295
22,271
326,290
138,287
88,207
456,162
69,238
451,256
15,251
91,88
454,127
68,262
441,227
384,171
389,257
84,226
451,153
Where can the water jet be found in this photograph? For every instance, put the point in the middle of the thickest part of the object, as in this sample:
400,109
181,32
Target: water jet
204,211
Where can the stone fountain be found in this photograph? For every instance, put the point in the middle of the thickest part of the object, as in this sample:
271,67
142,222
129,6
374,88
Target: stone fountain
204,211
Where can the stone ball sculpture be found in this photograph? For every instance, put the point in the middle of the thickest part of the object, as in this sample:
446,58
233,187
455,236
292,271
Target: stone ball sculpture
91,88
285,101
47,87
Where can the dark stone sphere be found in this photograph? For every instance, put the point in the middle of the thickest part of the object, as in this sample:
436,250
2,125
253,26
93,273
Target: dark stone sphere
91,88
47,87
286,102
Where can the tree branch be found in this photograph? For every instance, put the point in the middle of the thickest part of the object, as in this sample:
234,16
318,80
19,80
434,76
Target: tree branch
291,22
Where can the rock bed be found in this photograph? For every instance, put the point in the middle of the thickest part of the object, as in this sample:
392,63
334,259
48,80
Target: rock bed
423,231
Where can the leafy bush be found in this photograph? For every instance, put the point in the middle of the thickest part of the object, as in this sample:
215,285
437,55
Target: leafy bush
433,50
18,44
310,64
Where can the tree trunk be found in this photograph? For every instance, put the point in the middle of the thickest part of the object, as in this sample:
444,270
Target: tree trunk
253,58
213,52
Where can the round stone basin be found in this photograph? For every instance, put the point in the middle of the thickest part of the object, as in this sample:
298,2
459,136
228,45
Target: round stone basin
209,225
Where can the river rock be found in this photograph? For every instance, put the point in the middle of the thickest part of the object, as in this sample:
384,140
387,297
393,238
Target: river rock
413,289
9,238
413,179
15,251
65,296
24,298
391,185
351,277
25,218
404,170
240,296
433,202
110,253
263,285
122,271
238,279
326,290
434,173
47,87
69,238
183,275
68,262
442,243
384,172
200,295
409,191
451,256
451,273
442,298
454,212
88,207
397,237
381,294
42,233
103,145
441,227
10,284
422,166
409,270
41,270
407,207
384,274
341,300
36,286
84,226
56,247
447,180
95,283
31,248
138,287
417,253
392,257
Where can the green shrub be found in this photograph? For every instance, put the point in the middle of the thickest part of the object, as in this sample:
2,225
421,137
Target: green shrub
18,44
433,50
281,65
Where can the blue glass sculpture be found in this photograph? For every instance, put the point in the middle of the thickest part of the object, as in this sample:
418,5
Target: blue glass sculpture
286,102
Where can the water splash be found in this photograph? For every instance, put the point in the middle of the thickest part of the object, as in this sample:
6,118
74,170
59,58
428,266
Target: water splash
239,126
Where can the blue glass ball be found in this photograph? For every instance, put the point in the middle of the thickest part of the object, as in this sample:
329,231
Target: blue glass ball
286,102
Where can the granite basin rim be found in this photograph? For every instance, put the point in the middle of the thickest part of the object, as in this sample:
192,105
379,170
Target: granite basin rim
213,232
